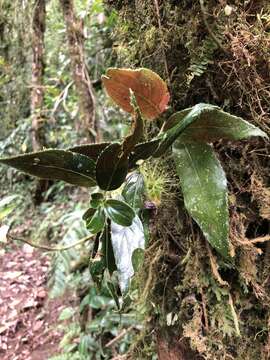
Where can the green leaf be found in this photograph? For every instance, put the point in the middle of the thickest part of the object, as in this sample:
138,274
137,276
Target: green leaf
204,188
97,222
111,168
213,124
53,164
87,216
124,241
96,200
113,292
97,268
90,150
7,205
133,191
119,212
66,314
137,259
107,250
143,151
168,138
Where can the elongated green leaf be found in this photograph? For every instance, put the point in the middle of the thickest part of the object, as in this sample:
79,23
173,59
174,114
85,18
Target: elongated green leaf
87,216
137,259
204,188
119,212
53,164
143,151
90,150
97,221
134,190
111,167
168,138
213,124
124,241
107,250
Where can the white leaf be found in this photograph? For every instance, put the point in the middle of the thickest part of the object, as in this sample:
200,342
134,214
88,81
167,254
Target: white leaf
125,239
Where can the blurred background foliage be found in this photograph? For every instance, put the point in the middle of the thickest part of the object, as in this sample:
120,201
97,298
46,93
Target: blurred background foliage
58,218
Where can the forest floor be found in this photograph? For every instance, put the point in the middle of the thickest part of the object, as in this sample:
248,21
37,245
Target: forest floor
28,317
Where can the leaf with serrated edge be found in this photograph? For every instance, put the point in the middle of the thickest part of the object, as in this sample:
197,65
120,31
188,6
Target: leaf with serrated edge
55,164
124,241
150,90
204,188
213,124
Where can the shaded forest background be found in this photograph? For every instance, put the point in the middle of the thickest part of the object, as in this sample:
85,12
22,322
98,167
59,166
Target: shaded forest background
188,303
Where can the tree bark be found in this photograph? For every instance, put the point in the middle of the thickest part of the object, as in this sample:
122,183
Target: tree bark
37,93
74,28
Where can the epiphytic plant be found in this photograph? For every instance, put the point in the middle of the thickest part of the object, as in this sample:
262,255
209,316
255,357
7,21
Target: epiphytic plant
189,133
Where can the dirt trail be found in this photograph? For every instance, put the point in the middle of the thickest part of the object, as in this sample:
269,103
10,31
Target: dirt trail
27,317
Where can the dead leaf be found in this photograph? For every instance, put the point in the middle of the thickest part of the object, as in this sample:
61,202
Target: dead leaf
150,90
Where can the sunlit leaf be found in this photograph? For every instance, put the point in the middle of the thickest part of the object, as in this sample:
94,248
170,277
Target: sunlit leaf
133,191
213,124
124,241
167,138
3,233
150,90
53,164
7,205
204,188
119,212
97,221
111,167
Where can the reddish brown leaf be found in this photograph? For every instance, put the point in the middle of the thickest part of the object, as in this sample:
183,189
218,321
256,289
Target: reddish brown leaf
150,90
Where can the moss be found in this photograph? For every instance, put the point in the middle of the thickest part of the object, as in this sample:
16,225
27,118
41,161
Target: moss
209,300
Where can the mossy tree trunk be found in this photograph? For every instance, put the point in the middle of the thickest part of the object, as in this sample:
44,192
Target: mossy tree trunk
38,67
196,304
75,36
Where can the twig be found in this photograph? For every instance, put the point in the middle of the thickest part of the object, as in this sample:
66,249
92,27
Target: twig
260,239
211,33
205,311
214,267
49,248
119,336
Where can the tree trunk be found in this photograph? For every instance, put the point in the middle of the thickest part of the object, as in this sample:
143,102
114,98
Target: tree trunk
75,36
37,93
208,52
